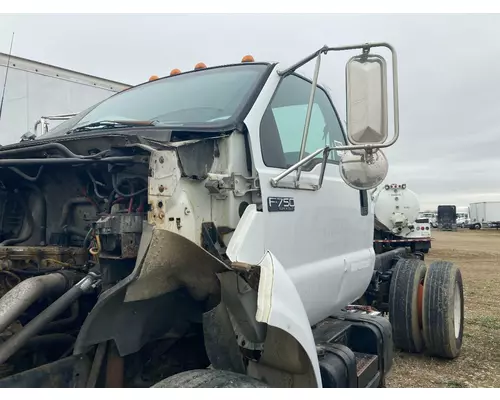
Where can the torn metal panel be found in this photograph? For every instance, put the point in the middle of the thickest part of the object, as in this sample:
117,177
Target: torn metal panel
241,302
220,340
173,262
196,159
133,324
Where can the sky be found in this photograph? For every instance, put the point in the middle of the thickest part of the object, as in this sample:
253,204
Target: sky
449,74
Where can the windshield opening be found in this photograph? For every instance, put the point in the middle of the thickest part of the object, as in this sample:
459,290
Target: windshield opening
204,98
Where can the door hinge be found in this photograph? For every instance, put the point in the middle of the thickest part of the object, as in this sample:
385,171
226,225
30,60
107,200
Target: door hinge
219,185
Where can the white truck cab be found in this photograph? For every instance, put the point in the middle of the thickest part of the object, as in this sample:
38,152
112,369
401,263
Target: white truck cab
224,207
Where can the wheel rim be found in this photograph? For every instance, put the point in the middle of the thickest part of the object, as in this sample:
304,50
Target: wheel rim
457,311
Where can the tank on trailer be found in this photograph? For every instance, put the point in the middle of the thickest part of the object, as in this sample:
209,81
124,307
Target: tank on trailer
397,222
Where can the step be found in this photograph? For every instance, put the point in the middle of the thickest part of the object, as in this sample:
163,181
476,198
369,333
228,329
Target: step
367,370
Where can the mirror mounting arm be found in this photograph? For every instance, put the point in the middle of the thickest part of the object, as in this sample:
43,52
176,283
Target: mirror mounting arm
305,133
369,148
366,47
275,182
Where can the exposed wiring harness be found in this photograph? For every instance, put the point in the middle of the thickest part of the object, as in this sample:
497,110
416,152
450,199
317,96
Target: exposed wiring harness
116,189
96,184
94,247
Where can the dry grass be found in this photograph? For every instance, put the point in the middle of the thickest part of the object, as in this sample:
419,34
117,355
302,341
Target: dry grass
477,253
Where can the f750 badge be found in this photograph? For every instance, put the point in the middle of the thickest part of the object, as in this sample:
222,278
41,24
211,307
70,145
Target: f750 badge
275,204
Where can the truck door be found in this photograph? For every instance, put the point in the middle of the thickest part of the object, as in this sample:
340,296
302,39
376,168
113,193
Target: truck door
323,238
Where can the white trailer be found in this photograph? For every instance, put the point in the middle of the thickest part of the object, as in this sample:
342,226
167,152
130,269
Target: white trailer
485,215
34,90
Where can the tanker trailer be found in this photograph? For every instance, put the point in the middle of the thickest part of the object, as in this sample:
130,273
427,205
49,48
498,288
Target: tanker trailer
397,223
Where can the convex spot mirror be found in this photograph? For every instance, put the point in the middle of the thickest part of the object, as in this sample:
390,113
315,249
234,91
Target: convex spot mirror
367,114
363,170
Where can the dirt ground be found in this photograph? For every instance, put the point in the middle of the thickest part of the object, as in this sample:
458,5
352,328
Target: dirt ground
477,253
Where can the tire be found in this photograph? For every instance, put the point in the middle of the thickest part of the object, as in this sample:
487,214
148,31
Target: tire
443,310
209,378
407,277
477,226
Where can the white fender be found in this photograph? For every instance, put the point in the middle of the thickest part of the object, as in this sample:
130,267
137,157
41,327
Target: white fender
278,303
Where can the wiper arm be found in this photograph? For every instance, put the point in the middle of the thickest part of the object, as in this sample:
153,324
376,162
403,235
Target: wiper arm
109,124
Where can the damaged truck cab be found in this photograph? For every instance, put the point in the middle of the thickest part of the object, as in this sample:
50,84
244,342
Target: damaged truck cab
212,229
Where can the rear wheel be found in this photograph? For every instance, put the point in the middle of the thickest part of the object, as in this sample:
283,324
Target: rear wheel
477,226
443,310
209,378
405,304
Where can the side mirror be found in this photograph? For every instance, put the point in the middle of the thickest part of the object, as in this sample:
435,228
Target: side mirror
363,165
363,170
367,114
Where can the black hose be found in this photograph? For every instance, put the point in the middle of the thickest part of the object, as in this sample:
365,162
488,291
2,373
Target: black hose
60,323
110,201
56,146
34,272
94,182
29,221
27,177
383,261
48,339
14,343
43,216
11,162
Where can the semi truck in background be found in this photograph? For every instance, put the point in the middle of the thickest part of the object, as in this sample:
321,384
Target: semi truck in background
40,96
485,215
431,216
397,220
447,217
463,216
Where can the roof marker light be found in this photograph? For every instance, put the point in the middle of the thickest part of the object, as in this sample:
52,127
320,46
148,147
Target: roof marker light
247,58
